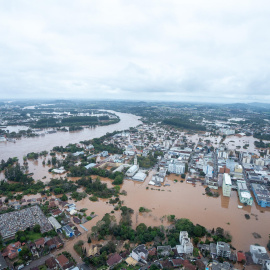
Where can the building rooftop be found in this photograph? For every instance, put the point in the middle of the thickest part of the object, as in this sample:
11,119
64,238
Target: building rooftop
261,192
227,179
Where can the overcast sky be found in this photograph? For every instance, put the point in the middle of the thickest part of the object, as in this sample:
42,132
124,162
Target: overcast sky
207,50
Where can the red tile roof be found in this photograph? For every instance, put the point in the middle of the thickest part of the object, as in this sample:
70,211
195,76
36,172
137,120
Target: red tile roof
114,259
39,242
62,260
240,256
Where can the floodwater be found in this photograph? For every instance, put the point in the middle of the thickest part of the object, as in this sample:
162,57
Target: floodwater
231,142
37,144
180,199
187,201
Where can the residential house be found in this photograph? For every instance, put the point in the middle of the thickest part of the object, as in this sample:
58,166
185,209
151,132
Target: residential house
167,264
62,261
50,244
55,242
76,220
140,253
241,257
58,242
164,251
51,263
177,262
94,250
40,243
152,251
56,212
113,260
11,251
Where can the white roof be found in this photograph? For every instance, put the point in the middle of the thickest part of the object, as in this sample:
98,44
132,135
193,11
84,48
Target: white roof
259,249
180,249
54,223
139,176
246,195
59,170
73,211
227,179
132,169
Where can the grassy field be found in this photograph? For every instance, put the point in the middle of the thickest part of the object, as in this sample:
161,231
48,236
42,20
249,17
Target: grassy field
32,236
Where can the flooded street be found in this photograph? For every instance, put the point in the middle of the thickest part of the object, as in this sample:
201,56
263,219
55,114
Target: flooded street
231,142
187,201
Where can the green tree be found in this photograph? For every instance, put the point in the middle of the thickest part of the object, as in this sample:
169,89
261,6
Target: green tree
196,240
25,254
36,228
64,198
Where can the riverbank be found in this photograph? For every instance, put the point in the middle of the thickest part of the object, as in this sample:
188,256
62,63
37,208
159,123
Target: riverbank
38,144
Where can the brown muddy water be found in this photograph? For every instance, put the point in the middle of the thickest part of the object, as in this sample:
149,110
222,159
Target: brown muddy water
47,142
180,199
231,142
186,201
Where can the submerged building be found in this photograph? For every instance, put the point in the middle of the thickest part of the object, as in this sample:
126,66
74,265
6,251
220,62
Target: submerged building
132,170
243,193
262,195
226,185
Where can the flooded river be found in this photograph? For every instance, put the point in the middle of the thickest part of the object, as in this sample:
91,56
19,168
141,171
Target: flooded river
38,144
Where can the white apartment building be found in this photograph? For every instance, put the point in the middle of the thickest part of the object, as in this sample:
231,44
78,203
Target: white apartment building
176,168
223,249
226,185
185,245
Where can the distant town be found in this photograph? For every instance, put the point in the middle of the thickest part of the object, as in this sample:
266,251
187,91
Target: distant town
131,185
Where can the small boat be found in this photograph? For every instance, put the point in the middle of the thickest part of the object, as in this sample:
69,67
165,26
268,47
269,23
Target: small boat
240,206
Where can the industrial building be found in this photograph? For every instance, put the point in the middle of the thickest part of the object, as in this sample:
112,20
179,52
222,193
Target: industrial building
226,185
139,176
90,165
56,225
68,231
132,170
262,195
243,193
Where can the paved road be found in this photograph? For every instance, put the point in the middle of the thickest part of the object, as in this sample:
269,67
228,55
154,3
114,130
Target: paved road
215,174
37,262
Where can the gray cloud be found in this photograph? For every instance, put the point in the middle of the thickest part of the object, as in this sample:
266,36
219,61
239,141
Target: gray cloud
167,50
